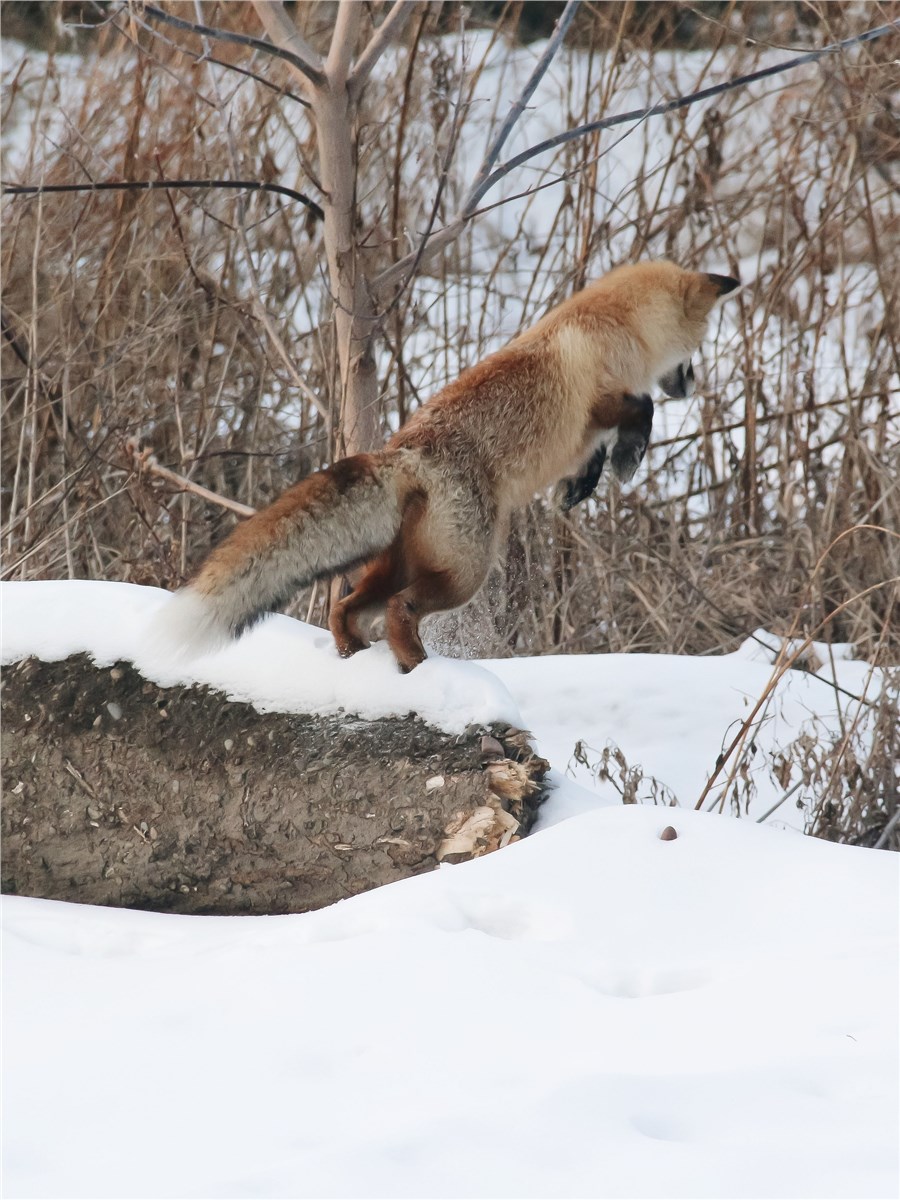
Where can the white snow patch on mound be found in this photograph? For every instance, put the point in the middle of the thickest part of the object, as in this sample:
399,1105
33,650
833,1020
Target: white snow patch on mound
282,665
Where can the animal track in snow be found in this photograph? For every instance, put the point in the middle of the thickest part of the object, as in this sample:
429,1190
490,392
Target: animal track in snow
636,983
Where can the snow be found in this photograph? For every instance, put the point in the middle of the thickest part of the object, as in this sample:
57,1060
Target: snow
592,1011
670,715
283,666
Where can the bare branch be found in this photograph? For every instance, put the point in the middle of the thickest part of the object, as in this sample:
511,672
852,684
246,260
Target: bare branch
206,57
288,43
887,831
666,106
474,194
389,30
157,185
343,41
145,460
452,230
239,39
429,247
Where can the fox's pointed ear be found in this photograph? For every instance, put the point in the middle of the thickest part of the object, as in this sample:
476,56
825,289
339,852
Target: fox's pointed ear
702,291
723,283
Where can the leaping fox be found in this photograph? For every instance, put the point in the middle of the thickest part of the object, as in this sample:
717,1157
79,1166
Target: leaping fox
428,512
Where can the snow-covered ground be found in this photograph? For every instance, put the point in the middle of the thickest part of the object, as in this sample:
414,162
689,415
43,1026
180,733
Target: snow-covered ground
590,1012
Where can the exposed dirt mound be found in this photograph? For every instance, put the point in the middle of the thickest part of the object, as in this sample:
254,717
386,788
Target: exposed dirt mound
118,791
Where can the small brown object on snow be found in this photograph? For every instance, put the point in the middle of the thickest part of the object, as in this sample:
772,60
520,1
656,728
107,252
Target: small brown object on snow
668,834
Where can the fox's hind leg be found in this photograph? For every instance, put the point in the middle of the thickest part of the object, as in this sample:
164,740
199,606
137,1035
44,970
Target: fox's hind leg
438,561
430,592
381,580
445,551
382,589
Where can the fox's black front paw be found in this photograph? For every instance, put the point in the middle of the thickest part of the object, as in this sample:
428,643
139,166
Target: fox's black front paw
570,492
627,454
633,439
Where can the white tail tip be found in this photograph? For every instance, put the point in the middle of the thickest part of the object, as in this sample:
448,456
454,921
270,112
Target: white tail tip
188,626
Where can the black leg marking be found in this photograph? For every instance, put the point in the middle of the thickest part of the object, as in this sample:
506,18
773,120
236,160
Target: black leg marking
572,491
634,437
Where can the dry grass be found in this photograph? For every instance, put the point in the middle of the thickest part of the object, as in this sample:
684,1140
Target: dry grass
855,776
199,321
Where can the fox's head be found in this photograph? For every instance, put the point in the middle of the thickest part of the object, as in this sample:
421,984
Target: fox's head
700,291
668,308
634,327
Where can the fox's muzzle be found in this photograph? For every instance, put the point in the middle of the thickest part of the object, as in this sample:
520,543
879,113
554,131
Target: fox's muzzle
679,383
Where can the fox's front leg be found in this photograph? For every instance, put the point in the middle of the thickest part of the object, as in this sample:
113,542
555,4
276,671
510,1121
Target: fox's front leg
572,491
630,440
633,437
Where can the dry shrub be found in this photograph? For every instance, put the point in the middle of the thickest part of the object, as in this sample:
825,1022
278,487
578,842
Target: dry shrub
843,775
838,779
852,778
632,784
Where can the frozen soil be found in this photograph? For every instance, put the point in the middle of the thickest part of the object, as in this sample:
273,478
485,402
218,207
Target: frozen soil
121,792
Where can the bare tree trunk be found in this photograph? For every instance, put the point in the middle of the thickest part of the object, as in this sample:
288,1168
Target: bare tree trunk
334,89
354,317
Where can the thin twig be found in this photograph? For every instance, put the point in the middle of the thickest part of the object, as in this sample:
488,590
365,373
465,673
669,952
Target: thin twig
540,70
388,31
218,62
158,185
146,460
301,56
778,803
452,142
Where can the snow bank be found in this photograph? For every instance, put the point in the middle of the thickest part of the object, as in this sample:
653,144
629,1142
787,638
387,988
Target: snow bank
592,1012
670,715
281,666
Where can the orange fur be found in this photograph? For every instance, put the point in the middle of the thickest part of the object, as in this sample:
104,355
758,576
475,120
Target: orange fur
428,511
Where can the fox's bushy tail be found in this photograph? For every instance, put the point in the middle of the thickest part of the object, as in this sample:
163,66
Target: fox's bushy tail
329,522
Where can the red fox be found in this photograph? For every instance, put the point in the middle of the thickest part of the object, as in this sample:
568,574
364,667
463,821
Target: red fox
428,512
